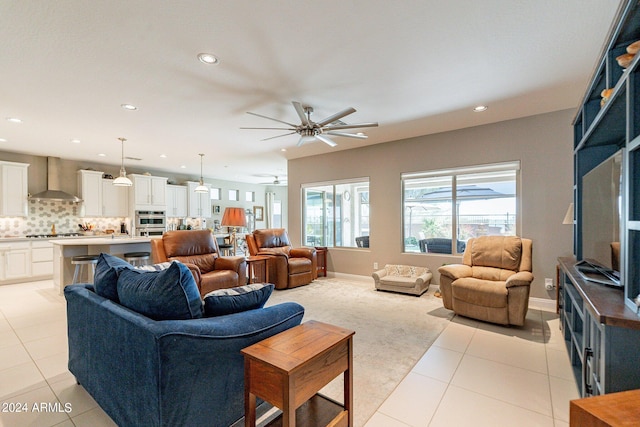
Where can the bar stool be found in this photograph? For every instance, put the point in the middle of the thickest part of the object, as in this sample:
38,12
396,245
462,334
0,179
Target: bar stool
80,261
137,258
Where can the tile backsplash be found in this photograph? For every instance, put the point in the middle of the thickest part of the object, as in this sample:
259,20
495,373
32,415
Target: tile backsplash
43,214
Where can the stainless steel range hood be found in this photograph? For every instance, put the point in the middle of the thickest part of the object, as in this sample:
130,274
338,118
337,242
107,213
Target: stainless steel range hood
53,191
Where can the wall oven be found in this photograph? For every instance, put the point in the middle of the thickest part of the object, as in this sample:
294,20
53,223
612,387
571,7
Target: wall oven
150,223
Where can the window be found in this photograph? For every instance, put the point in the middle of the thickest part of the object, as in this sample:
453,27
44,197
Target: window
215,194
335,214
444,209
234,195
249,196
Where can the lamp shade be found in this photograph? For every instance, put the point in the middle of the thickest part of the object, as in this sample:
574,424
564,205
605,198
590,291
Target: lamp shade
568,217
234,217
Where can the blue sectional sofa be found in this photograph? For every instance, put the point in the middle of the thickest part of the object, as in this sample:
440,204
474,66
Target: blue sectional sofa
145,372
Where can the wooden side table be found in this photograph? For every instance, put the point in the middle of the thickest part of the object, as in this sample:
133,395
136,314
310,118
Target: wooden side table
613,409
254,262
289,368
321,254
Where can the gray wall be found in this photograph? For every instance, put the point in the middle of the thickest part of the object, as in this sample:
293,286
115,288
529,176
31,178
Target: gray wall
542,143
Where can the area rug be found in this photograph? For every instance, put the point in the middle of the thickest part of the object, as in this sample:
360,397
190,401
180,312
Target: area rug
392,332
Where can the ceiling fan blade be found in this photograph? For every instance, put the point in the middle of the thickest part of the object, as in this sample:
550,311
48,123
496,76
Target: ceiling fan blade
300,110
337,116
270,128
304,139
326,140
358,125
278,136
271,118
350,135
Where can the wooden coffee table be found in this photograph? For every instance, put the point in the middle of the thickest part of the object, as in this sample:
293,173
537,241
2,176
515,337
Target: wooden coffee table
289,368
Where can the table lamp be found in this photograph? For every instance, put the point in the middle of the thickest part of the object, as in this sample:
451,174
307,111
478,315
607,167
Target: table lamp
234,218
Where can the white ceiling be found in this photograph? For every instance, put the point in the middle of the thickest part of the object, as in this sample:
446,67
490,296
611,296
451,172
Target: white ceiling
416,67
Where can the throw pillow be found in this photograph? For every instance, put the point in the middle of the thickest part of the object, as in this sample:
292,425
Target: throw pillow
170,294
154,267
235,300
105,279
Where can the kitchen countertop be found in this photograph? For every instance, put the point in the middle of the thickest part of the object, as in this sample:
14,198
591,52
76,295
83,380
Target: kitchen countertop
48,239
98,240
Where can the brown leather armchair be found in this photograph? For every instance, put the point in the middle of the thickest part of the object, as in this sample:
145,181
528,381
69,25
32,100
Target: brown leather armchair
198,249
492,283
288,267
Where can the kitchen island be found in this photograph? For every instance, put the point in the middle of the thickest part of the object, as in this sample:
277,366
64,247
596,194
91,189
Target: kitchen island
64,249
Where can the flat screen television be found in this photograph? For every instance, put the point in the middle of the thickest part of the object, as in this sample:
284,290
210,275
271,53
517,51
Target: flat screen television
601,217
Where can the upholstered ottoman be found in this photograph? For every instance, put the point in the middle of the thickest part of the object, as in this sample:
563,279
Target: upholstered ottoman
403,278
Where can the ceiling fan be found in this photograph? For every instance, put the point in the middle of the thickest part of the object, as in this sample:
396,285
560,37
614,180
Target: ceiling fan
310,130
276,180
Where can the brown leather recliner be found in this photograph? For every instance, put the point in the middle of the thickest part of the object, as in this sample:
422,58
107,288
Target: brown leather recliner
493,281
198,249
288,267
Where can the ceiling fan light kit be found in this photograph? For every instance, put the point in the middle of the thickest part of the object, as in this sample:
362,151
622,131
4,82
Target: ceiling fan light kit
310,130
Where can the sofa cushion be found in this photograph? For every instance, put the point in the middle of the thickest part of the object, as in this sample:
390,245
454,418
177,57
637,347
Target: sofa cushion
299,265
485,293
170,294
105,279
398,270
497,251
234,300
405,282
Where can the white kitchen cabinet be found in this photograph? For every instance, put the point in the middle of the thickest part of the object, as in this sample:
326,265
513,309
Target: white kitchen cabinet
13,189
15,261
199,203
149,192
176,201
115,200
41,259
90,189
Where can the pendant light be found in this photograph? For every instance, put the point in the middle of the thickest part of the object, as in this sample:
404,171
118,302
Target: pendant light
122,180
201,188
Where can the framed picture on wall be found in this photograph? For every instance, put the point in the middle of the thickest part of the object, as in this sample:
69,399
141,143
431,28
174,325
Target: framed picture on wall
215,209
258,213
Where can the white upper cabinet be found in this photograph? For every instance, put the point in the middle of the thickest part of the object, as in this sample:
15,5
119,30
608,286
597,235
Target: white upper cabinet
149,192
176,201
90,190
199,203
115,200
13,189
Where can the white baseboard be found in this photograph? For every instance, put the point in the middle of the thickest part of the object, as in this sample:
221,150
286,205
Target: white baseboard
543,304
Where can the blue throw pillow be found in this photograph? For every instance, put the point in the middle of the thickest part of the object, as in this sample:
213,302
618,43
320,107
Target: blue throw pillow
170,294
235,300
105,279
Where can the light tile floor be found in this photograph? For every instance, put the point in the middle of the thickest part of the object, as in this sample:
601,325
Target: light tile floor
475,373
478,374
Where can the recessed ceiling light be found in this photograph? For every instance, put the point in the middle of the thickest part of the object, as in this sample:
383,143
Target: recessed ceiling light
480,108
75,141
208,58
163,156
102,155
14,120
129,107
3,140
283,149
183,167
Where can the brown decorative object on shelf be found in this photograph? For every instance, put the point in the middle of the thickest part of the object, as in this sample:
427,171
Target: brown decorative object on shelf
634,47
625,60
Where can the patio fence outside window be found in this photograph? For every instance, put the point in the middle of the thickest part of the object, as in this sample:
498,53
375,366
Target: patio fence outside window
444,209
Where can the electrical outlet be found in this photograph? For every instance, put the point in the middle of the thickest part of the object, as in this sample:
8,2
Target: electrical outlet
375,265
548,284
